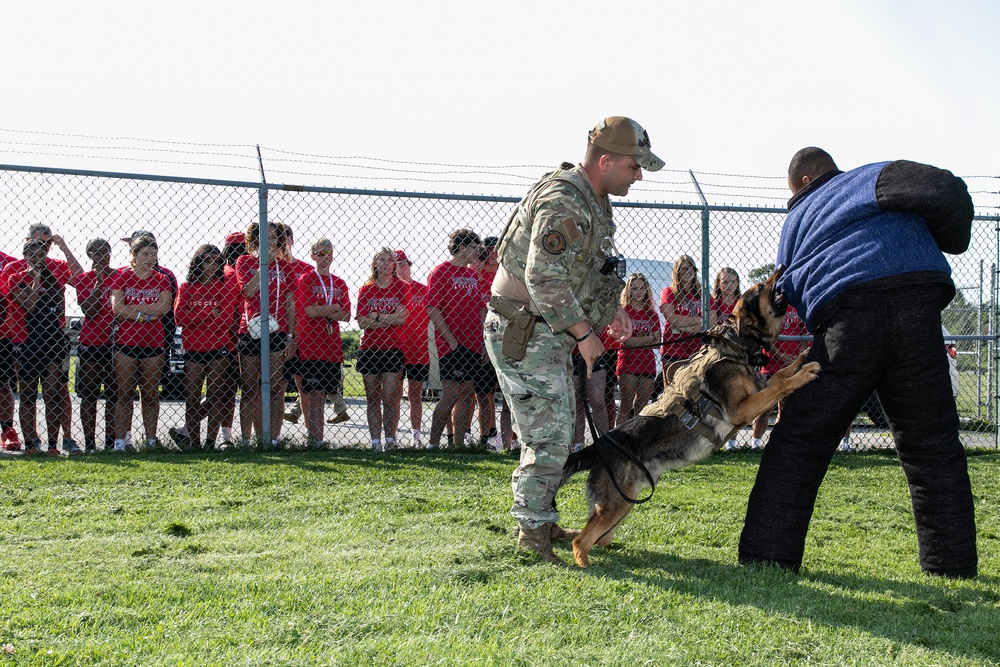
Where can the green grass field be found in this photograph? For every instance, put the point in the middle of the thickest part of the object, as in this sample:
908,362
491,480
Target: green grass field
354,558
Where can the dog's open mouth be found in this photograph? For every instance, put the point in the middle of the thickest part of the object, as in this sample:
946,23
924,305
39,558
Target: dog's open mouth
780,302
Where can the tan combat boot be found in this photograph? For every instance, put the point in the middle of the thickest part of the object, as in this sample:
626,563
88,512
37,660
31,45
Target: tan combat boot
539,540
560,533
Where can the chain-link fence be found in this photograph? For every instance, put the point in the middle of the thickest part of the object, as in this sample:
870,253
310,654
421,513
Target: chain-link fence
121,309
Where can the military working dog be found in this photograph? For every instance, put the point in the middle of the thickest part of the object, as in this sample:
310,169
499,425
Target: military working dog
707,399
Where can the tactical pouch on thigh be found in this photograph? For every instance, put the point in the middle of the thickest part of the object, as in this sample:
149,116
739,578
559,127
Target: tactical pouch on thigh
515,337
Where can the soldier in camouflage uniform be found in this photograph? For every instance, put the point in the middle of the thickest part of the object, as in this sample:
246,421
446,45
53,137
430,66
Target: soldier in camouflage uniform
556,288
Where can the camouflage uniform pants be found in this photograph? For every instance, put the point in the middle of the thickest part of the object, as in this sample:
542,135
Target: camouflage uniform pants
539,391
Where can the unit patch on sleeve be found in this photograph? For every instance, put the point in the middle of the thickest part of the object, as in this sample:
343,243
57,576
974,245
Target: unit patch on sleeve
553,242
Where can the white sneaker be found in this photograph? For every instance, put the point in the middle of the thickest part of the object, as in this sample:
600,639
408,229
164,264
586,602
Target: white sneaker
494,444
376,445
845,445
128,439
418,439
576,448
469,439
730,445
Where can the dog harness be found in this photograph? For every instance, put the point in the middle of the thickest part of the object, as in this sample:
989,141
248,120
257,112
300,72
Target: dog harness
683,397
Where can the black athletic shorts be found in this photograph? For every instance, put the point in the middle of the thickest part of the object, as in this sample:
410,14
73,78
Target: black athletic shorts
486,381
98,354
139,352
7,362
207,357
320,375
35,357
250,347
417,372
461,365
375,362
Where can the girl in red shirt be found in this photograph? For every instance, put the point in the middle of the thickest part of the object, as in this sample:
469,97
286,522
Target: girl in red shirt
322,303
140,297
416,355
637,363
725,294
206,308
95,354
382,310
680,304
38,304
281,277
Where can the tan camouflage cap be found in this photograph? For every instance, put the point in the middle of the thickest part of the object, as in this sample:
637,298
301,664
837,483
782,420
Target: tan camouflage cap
624,136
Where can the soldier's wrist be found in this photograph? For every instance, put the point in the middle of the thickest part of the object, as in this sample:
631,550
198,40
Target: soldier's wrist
585,336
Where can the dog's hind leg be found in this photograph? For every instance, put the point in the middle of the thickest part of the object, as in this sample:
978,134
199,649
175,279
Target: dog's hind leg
606,538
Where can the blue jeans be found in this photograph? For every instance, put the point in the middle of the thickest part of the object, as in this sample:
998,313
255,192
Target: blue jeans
889,341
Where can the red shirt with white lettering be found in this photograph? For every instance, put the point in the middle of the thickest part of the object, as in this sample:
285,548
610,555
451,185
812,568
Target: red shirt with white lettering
455,291
688,305
639,360
374,299
193,311
139,292
319,337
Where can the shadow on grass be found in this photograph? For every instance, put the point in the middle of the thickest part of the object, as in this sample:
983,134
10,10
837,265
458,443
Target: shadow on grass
954,618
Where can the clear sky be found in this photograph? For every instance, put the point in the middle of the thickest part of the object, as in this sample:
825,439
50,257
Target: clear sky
729,86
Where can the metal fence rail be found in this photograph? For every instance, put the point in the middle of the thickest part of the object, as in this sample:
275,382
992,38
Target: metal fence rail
185,213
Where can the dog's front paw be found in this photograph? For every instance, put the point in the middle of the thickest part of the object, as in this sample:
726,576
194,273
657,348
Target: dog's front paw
808,372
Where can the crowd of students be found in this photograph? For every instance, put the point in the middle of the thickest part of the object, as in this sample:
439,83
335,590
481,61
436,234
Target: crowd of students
131,313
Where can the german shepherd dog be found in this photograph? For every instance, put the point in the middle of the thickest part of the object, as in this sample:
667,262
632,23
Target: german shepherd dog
670,441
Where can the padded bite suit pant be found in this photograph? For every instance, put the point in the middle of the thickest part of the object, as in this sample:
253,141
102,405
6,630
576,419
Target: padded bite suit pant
890,341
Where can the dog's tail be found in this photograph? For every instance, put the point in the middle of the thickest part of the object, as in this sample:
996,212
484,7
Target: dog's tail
585,459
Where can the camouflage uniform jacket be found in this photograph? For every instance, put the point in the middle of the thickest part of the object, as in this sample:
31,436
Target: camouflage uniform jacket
552,250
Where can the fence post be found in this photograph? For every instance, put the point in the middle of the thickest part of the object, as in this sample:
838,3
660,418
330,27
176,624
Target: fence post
265,320
265,315
706,283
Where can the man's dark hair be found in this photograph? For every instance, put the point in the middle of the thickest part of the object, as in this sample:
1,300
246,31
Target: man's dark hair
810,162
462,237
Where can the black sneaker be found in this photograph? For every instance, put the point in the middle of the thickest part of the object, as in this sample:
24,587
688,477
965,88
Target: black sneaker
71,448
34,449
90,446
181,440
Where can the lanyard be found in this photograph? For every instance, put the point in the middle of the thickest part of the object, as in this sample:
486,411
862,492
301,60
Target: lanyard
327,291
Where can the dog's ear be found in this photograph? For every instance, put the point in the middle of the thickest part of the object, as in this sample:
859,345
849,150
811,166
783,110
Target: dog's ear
746,308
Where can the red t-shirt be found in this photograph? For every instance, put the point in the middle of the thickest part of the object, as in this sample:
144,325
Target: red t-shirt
792,326
319,337
139,291
15,326
416,332
689,306
203,332
4,260
723,310
95,331
639,361
282,275
455,291
374,299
